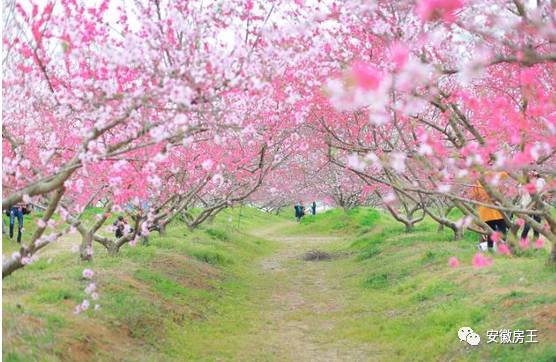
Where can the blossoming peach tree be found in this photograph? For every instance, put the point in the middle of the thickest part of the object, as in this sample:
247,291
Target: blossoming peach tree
434,99
170,110
134,108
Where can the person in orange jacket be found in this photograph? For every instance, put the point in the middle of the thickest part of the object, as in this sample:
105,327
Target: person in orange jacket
492,217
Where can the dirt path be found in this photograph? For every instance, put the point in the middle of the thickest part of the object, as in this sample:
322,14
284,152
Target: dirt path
306,302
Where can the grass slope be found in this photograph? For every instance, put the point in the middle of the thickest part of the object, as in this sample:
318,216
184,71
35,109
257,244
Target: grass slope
211,294
411,304
167,301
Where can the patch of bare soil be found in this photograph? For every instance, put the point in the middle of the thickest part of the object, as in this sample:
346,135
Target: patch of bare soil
316,255
89,340
545,321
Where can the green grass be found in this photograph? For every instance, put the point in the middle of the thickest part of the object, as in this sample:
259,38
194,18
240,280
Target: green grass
200,295
337,221
405,277
151,297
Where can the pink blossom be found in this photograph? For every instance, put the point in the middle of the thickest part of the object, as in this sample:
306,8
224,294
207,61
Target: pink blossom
397,161
520,222
524,243
94,296
504,249
539,243
355,163
207,164
531,188
481,261
453,262
399,55
366,76
389,198
85,304
249,5
90,288
444,188
430,10
88,273
496,236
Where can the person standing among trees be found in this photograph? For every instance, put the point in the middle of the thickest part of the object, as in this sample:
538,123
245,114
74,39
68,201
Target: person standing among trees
120,225
314,208
492,217
299,211
17,211
525,202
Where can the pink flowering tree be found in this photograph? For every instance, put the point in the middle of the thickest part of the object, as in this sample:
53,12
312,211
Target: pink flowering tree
408,109
87,87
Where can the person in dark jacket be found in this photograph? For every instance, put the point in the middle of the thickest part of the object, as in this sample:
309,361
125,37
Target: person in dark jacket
314,208
120,226
299,211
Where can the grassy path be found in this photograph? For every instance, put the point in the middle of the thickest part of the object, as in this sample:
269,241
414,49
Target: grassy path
224,294
305,301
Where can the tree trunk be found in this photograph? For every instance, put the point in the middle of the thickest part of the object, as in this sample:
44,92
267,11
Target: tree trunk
552,257
440,227
409,226
458,233
86,248
112,249
162,229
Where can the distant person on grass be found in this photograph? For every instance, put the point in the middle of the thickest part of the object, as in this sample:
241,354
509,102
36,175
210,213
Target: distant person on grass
314,208
299,211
